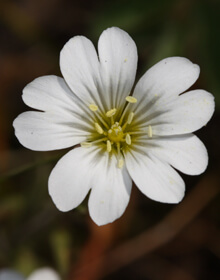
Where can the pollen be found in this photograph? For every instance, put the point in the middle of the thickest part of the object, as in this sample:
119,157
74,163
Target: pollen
130,118
150,131
128,139
99,128
109,146
131,99
111,113
93,107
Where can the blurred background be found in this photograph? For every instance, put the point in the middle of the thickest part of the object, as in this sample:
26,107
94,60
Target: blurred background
151,241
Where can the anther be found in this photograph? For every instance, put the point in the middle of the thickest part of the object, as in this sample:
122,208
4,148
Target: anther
130,118
98,128
109,146
93,107
85,144
110,113
128,139
149,131
120,163
131,99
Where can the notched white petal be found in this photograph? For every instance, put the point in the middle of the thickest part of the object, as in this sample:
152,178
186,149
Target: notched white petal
80,68
72,177
118,64
110,193
41,131
163,82
185,153
51,93
156,179
188,113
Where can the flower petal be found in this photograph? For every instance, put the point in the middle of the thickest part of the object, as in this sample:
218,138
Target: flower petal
187,113
185,152
51,93
44,274
169,77
162,83
118,59
71,178
79,65
111,191
42,131
156,179
70,182
106,82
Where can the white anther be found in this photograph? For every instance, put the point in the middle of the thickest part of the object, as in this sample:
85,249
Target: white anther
93,107
98,128
110,113
130,118
149,131
120,163
131,99
109,146
128,139
85,144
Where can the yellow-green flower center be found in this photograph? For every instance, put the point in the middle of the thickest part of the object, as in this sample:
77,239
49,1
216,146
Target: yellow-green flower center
114,131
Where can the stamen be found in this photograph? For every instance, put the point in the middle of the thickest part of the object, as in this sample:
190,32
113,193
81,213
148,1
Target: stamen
128,139
109,146
120,163
85,144
139,132
124,126
150,132
130,118
100,140
99,128
120,159
118,149
131,99
101,120
111,113
89,144
93,107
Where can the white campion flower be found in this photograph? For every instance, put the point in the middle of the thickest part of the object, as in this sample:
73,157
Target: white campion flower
124,134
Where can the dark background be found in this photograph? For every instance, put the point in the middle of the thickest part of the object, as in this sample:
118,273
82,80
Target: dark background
151,241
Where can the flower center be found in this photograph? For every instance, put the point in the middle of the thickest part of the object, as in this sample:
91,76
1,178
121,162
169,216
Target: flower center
115,133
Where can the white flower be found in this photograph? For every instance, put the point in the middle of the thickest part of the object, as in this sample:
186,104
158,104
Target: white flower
9,274
45,273
123,137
